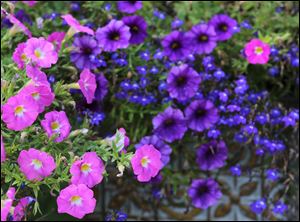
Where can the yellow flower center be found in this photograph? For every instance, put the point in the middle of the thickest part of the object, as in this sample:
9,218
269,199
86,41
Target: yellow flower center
37,164
19,111
23,57
85,168
38,53
55,126
76,200
36,95
259,50
145,161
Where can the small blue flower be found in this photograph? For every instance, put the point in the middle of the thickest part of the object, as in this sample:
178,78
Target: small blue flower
236,170
272,174
258,206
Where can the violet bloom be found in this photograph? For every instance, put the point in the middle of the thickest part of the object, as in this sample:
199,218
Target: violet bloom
87,83
164,149
203,38
201,115
183,82
129,6
56,123
85,47
138,28
6,204
115,35
258,206
169,125
21,208
204,193
18,26
212,155
102,87
279,208
146,163
224,26
88,170
176,45
35,164
76,200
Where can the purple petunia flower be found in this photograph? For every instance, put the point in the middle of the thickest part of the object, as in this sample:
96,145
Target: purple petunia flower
164,149
176,45
212,155
115,35
169,125
204,193
201,115
203,38
138,28
183,82
129,6
102,87
224,26
85,47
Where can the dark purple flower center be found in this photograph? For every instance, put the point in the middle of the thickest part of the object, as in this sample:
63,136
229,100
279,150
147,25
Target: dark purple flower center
223,27
114,35
203,189
169,122
200,113
210,152
132,2
134,29
175,45
87,50
203,38
181,81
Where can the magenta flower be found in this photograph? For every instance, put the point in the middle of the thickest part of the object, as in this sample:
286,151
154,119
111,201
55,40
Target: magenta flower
41,52
3,153
42,95
56,39
76,200
56,123
73,23
146,163
257,52
88,85
7,203
30,3
19,112
20,209
35,164
19,56
88,170
18,26
37,76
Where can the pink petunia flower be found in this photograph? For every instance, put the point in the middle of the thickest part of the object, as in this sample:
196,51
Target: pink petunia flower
76,200
37,76
56,123
146,163
19,112
19,56
35,164
257,52
7,203
56,39
73,23
88,85
30,3
41,52
20,209
18,26
42,95
3,153
88,170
